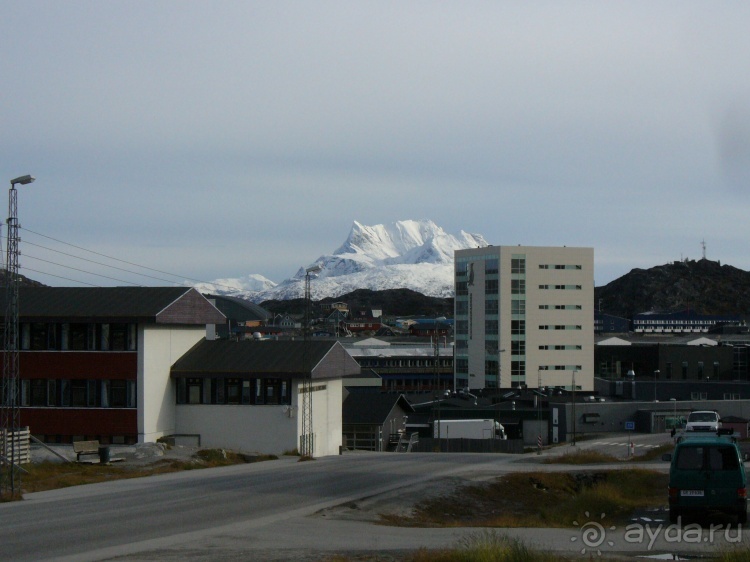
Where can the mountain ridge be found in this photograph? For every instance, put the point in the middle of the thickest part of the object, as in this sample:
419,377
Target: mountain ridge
409,254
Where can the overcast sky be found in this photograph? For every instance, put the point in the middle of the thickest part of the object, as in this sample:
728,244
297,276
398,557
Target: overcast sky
219,139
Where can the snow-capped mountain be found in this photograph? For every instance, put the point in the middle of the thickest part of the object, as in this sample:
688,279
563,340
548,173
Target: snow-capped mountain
410,254
253,283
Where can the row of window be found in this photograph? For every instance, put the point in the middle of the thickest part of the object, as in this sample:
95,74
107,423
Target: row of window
518,306
379,362
78,393
233,391
560,327
560,287
560,347
560,266
71,336
560,368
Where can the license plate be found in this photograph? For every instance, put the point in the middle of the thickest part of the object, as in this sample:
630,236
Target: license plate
692,493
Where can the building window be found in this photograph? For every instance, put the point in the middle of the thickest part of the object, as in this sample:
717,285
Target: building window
118,394
462,288
518,327
518,265
194,391
518,286
491,327
518,347
518,306
233,391
38,392
77,337
491,286
491,367
490,307
51,392
92,394
78,389
462,308
491,266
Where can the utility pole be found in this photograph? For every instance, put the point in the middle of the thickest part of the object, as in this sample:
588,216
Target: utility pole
10,483
574,408
437,377
307,445
539,410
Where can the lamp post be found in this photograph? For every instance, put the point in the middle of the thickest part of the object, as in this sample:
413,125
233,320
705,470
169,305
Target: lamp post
306,438
9,392
574,407
674,416
539,409
656,378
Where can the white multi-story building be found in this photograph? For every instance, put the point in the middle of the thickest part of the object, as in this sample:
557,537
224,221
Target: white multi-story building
524,315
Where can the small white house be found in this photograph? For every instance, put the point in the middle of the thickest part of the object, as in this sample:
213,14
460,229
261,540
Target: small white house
248,395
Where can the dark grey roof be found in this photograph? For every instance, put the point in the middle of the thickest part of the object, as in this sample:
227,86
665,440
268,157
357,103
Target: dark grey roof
366,374
366,408
239,309
155,304
247,357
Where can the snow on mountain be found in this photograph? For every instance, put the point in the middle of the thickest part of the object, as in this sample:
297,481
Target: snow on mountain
410,254
253,283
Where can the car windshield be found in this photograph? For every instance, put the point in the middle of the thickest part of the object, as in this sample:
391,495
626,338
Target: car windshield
702,417
708,458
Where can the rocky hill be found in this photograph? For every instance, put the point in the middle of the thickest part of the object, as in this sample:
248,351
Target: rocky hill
704,286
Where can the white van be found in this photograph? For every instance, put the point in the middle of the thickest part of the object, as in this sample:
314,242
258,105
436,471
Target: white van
703,420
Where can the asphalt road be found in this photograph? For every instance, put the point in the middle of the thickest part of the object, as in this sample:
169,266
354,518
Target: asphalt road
277,511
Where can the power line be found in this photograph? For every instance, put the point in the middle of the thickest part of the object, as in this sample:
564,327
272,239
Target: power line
181,277
82,270
60,277
95,262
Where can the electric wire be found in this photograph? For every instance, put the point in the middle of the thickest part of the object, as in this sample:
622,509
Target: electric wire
109,257
181,278
94,262
82,270
60,277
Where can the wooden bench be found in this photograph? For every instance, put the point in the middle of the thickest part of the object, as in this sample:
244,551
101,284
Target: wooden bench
81,448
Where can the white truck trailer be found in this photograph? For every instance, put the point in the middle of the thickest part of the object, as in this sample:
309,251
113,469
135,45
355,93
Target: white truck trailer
468,429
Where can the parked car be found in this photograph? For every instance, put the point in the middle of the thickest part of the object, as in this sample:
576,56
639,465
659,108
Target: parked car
703,420
707,474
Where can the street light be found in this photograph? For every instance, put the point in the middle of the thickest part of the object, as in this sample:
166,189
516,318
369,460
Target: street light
574,407
674,415
11,371
22,180
539,409
656,376
307,446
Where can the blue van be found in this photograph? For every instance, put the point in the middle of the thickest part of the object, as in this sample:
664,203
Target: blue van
707,475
